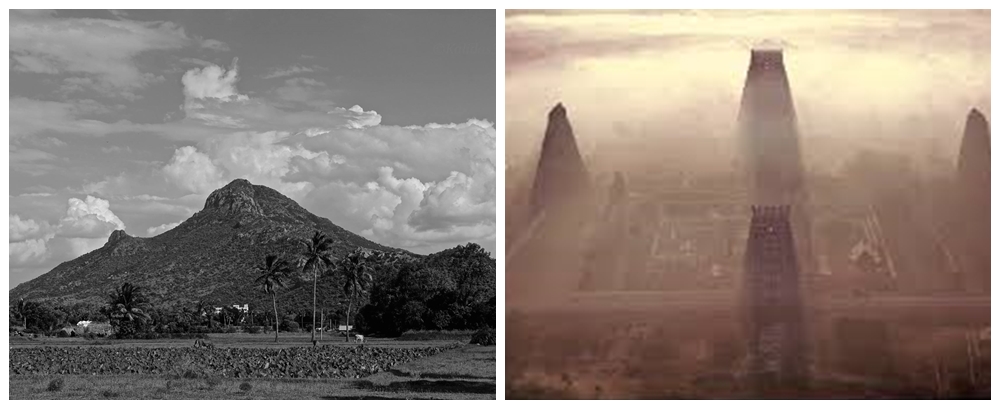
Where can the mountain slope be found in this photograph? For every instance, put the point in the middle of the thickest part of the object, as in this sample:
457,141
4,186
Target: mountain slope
211,256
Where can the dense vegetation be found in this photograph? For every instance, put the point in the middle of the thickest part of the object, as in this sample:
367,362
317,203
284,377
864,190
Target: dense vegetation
451,290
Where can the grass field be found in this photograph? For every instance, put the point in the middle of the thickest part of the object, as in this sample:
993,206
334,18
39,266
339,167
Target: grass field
467,372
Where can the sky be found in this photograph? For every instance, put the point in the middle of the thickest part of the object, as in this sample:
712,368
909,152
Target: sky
382,122
891,75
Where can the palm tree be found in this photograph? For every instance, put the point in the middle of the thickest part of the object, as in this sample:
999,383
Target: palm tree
21,310
316,256
356,272
205,309
126,305
272,276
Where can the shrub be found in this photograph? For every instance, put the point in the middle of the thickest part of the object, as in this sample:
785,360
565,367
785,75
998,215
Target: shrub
290,326
246,386
212,382
485,336
55,385
254,330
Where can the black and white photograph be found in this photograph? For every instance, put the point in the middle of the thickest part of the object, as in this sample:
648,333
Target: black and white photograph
252,204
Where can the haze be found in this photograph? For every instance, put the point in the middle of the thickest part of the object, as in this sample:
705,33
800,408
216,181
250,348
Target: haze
904,75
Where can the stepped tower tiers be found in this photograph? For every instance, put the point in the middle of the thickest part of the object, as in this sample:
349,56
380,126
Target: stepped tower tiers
771,159
772,302
973,213
561,175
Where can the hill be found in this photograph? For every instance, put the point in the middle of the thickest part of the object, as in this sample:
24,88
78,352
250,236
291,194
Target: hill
209,257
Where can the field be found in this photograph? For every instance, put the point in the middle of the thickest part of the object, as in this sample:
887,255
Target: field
244,366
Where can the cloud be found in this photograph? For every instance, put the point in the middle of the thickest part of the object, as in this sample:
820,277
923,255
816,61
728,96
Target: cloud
27,252
85,227
153,231
212,82
293,70
29,117
26,229
89,218
214,45
357,117
423,188
193,171
104,50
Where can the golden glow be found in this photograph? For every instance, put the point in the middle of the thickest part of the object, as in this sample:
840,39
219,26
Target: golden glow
853,73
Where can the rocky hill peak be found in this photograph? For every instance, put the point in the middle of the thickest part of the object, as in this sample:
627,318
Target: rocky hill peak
117,236
239,196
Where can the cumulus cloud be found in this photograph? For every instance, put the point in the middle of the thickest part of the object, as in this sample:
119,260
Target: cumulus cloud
153,231
357,117
193,171
21,230
420,187
212,81
89,218
85,227
27,252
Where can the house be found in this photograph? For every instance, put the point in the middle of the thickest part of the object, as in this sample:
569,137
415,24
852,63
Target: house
343,328
83,324
245,308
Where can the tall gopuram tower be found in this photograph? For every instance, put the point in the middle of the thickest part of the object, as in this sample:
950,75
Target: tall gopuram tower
561,175
545,263
973,213
772,303
771,159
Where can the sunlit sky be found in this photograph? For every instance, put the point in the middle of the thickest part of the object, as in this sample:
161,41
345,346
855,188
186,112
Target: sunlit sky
854,74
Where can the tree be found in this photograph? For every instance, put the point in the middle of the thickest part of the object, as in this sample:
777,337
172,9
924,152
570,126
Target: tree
126,309
21,309
272,275
205,309
316,256
356,272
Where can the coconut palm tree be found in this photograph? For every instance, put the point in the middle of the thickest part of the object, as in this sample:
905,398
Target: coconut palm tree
271,278
316,256
356,271
204,309
21,310
126,307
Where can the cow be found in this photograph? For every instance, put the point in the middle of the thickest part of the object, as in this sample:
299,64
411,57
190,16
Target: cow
359,338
